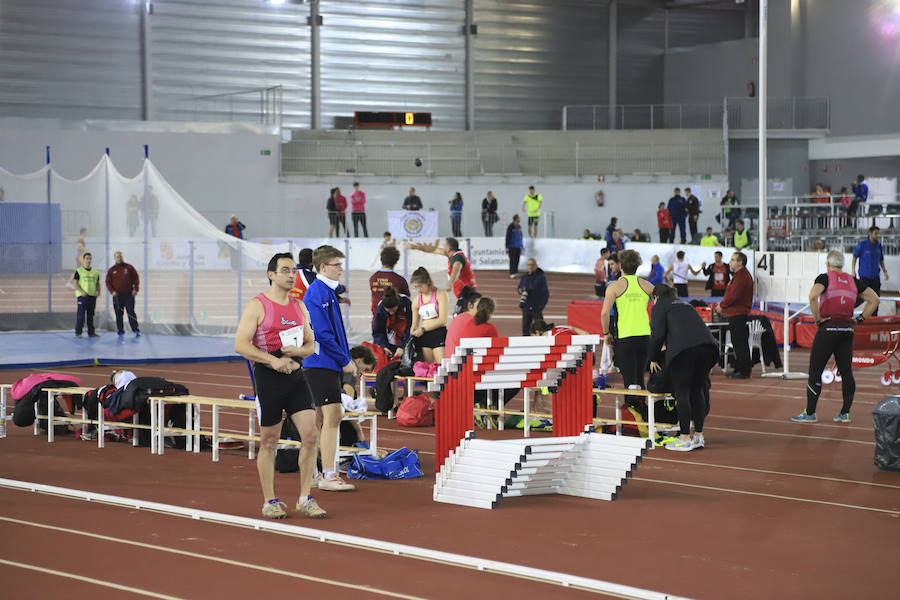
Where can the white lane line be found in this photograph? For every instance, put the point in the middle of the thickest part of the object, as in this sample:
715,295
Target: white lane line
108,584
225,561
787,422
793,435
557,578
894,513
747,469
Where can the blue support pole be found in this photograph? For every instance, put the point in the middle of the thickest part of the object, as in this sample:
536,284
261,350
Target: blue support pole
146,285
108,257
49,241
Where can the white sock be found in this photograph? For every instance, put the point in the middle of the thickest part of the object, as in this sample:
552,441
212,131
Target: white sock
329,473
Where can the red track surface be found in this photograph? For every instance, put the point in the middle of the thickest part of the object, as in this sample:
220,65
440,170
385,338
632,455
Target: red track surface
769,509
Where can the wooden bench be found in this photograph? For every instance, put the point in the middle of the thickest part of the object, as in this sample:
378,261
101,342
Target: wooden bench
411,382
194,430
619,394
102,424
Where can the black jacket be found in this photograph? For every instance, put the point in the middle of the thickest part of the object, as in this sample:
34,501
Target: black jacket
693,205
678,326
709,280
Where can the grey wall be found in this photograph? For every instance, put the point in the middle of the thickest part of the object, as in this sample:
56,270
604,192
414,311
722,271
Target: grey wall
706,74
786,159
81,59
849,60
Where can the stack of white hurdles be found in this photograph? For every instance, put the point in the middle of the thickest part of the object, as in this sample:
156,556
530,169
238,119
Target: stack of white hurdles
591,465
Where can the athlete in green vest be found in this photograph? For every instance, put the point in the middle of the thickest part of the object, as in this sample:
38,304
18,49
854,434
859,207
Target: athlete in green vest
741,236
532,203
631,296
87,286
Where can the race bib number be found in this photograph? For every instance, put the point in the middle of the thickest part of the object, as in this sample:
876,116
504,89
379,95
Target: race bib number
428,311
292,336
720,277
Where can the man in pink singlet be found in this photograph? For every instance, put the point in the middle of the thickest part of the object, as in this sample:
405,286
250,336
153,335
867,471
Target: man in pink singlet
275,335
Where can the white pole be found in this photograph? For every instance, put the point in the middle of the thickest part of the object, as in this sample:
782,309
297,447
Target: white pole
763,58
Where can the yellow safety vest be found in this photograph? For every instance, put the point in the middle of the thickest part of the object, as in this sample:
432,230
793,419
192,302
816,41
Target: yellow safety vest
533,204
631,309
89,280
740,239
708,240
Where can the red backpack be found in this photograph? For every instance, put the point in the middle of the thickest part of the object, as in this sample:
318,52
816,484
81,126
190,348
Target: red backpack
416,411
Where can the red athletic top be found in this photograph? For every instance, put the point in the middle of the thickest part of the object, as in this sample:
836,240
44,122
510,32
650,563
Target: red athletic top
664,218
719,273
466,276
463,326
277,318
839,298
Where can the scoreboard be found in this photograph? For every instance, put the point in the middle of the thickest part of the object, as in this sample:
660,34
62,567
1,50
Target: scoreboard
392,119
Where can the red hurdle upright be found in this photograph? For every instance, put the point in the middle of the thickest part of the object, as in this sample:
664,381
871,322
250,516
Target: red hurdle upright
561,362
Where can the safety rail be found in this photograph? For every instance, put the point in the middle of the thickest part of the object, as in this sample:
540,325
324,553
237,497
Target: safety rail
324,157
263,105
791,113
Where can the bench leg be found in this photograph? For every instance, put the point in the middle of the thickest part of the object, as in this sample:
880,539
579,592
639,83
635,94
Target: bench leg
651,420
251,445
373,436
50,402
160,427
101,428
215,433
134,431
527,417
153,426
196,428
37,429
618,415
501,404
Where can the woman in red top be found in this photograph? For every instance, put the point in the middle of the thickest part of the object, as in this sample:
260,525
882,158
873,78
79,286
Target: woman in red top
664,222
340,206
473,322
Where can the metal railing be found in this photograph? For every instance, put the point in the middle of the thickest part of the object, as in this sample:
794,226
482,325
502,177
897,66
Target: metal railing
259,105
742,113
318,157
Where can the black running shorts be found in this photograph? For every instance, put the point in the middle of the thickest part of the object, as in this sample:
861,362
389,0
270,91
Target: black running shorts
434,338
277,392
325,385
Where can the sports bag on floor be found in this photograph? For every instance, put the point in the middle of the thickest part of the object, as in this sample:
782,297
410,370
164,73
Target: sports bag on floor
399,464
416,411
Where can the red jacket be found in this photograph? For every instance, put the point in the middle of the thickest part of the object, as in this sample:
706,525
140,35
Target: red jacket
739,294
123,279
663,219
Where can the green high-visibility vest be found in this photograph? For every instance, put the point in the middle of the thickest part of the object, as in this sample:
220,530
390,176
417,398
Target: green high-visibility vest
631,309
740,239
89,280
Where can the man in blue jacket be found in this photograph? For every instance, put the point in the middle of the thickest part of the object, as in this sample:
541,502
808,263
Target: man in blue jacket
678,211
514,246
869,255
331,359
533,295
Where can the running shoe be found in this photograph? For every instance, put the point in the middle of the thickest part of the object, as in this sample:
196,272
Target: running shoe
697,441
680,445
804,417
274,509
310,508
841,418
334,483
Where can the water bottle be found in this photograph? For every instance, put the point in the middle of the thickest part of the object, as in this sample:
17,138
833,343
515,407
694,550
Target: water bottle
600,382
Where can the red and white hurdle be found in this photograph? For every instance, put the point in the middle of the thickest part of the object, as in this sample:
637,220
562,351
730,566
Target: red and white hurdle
578,462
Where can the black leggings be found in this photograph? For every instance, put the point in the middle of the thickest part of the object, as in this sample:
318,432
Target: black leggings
630,355
690,376
836,340
359,218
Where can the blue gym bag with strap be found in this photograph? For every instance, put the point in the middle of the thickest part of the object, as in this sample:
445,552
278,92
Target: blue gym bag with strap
399,464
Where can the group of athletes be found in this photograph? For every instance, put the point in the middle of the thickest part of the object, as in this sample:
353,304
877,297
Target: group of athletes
277,333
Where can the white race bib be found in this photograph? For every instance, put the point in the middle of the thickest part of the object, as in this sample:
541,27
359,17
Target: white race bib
292,336
720,277
428,311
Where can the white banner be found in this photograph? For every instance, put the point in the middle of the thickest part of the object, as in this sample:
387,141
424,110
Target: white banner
413,224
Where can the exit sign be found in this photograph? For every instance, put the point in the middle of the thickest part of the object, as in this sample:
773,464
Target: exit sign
265,152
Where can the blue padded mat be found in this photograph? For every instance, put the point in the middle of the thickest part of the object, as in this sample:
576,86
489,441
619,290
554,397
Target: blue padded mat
57,348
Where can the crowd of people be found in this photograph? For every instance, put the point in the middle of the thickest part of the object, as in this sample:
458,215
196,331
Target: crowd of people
336,208
294,335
